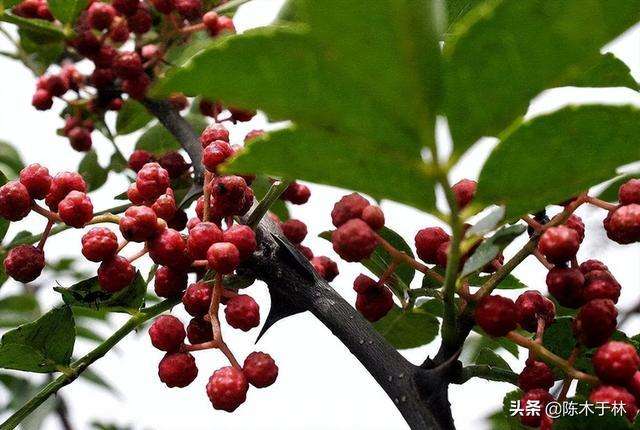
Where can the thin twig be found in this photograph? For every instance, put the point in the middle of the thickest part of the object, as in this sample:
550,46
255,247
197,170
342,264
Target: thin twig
274,193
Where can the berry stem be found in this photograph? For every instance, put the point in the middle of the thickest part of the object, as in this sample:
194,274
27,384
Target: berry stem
45,234
138,254
391,269
121,245
601,203
566,383
51,216
30,240
218,289
549,357
542,260
406,259
206,196
526,250
192,28
532,223
214,306
489,373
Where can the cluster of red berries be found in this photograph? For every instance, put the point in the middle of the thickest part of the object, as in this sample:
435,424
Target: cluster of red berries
355,239
227,387
220,250
64,194
593,290
103,31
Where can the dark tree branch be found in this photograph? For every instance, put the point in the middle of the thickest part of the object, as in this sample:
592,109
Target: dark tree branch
419,393
181,130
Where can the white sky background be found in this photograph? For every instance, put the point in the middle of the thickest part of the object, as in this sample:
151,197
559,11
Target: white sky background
321,386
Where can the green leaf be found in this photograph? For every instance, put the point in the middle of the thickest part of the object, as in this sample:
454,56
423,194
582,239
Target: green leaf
591,421
97,379
88,334
11,160
554,157
41,51
117,163
40,346
9,3
39,26
608,71
132,117
490,358
505,52
487,224
92,172
457,9
181,52
491,248
392,41
18,309
88,294
610,192
66,11
510,282
380,260
328,158
407,329
361,113
477,343
158,140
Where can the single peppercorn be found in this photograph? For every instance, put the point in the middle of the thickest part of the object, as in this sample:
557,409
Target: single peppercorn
197,299
496,315
199,330
115,274
99,244
24,263
294,230
36,179
201,237
327,269
76,209
242,312
566,285
347,208
167,333
169,282
354,240
464,191
595,322
177,369
535,374
533,306
559,244
227,388
260,369
15,201
427,242
616,362
139,224
223,257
